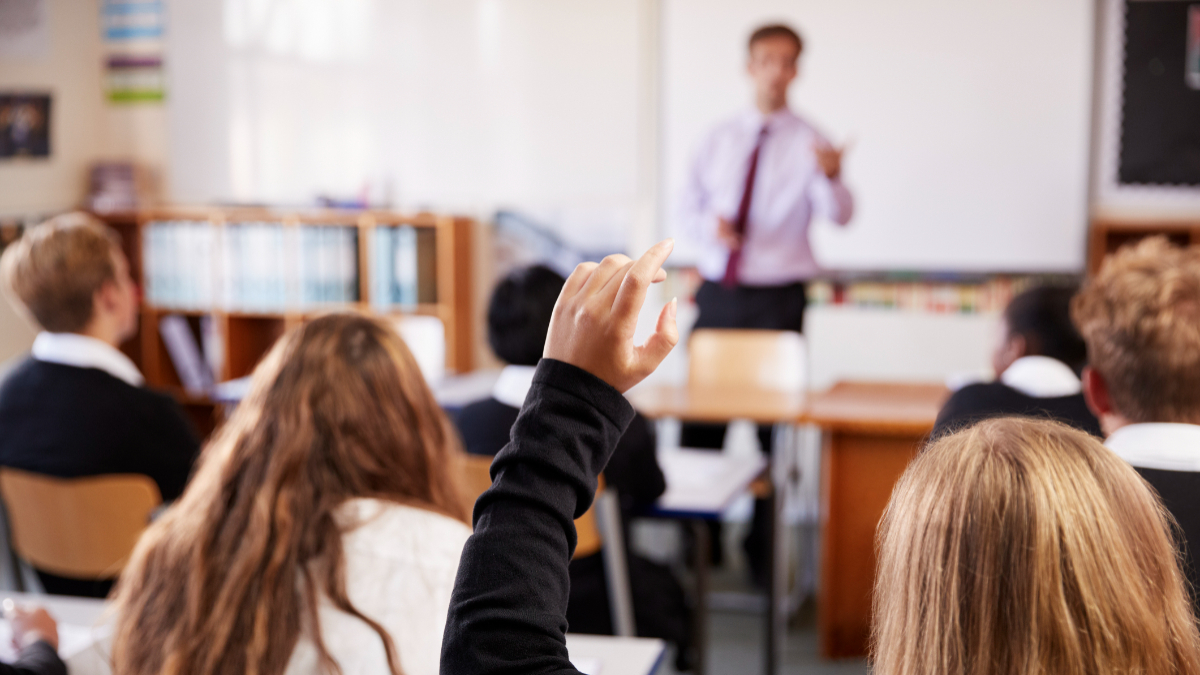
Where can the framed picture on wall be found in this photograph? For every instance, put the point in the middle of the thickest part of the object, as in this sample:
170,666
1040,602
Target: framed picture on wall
24,125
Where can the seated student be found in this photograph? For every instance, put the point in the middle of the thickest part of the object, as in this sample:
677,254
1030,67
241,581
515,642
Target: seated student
1024,546
35,635
1037,368
518,318
1140,317
1061,558
322,529
78,406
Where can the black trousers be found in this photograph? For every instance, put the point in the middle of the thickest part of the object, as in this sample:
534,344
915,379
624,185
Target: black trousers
766,308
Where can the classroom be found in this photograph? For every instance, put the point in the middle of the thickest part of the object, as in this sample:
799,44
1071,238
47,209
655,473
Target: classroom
615,337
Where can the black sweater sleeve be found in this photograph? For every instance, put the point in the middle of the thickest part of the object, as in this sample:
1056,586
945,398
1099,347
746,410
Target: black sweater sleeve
508,610
38,658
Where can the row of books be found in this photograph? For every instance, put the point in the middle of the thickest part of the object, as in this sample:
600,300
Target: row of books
984,296
272,267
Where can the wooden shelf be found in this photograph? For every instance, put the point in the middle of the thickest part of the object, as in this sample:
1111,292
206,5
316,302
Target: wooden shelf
1109,234
247,335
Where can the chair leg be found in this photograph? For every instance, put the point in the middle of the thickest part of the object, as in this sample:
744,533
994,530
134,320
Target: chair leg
616,565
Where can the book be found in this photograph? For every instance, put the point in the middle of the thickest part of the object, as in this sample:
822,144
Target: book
192,369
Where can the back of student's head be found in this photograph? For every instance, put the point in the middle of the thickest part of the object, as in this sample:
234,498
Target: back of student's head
519,313
55,269
1140,317
1020,546
1042,317
227,578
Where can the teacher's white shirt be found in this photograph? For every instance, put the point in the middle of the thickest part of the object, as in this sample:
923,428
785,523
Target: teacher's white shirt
789,190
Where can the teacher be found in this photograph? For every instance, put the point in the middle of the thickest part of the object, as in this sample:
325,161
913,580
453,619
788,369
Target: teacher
753,189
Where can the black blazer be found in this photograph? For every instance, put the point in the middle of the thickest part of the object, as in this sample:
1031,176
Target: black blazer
38,658
1180,493
976,402
68,422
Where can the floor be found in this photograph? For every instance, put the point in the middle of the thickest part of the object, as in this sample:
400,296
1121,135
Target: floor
736,648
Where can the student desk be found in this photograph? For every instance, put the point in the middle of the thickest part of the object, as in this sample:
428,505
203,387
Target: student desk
871,431
81,623
724,404
701,486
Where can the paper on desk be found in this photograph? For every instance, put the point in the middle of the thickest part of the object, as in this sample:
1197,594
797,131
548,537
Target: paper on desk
586,665
71,640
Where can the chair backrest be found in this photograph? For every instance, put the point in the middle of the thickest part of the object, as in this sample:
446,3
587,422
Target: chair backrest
762,359
477,478
77,527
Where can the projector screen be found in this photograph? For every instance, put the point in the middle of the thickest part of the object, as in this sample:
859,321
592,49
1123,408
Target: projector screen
968,122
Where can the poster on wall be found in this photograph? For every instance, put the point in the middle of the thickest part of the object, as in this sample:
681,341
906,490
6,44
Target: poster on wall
24,125
24,29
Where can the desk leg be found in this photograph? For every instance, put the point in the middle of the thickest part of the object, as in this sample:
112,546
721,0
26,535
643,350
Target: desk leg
777,582
703,553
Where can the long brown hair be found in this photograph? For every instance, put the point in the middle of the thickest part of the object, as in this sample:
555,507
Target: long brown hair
1023,547
225,580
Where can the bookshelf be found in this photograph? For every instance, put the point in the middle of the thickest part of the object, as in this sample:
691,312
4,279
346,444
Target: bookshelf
242,277
1110,234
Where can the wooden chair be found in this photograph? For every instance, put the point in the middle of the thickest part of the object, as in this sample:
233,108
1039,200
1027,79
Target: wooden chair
84,528
594,534
759,359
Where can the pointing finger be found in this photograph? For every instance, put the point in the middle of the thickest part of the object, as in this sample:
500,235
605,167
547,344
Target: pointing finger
632,293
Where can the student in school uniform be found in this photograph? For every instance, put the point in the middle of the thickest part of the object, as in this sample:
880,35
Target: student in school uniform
1038,363
322,529
1076,581
1140,317
1024,546
77,406
518,318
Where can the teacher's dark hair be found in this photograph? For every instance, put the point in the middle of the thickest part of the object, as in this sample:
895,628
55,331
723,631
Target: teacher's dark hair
776,30
519,314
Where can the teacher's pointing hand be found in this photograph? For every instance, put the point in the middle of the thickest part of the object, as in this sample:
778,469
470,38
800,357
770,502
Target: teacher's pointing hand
829,159
597,312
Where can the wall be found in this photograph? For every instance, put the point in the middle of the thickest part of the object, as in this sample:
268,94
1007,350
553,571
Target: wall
73,72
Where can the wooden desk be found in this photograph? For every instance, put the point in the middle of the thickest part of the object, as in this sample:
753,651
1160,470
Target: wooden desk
717,404
871,431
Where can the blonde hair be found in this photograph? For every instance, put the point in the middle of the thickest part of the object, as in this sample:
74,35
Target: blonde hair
1140,317
55,269
1025,547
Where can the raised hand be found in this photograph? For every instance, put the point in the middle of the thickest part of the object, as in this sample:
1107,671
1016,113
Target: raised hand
596,315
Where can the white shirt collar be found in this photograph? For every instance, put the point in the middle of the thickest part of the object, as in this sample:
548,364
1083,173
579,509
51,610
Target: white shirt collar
513,384
1041,377
81,351
1158,445
753,118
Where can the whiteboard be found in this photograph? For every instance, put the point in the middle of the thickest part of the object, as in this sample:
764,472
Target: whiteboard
448,105
969,120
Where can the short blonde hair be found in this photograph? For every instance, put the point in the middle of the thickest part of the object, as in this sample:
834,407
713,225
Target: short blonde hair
1021,546
1140,317
55,269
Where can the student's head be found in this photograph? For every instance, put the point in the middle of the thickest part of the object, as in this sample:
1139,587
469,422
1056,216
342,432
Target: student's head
70,275
772,62
1038,323
1140,317
1022,546
226,579
519,314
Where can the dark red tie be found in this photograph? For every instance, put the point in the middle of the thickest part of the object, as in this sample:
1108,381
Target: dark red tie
741,220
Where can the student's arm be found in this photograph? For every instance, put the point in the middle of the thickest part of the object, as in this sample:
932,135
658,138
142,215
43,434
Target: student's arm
38,658
508,610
